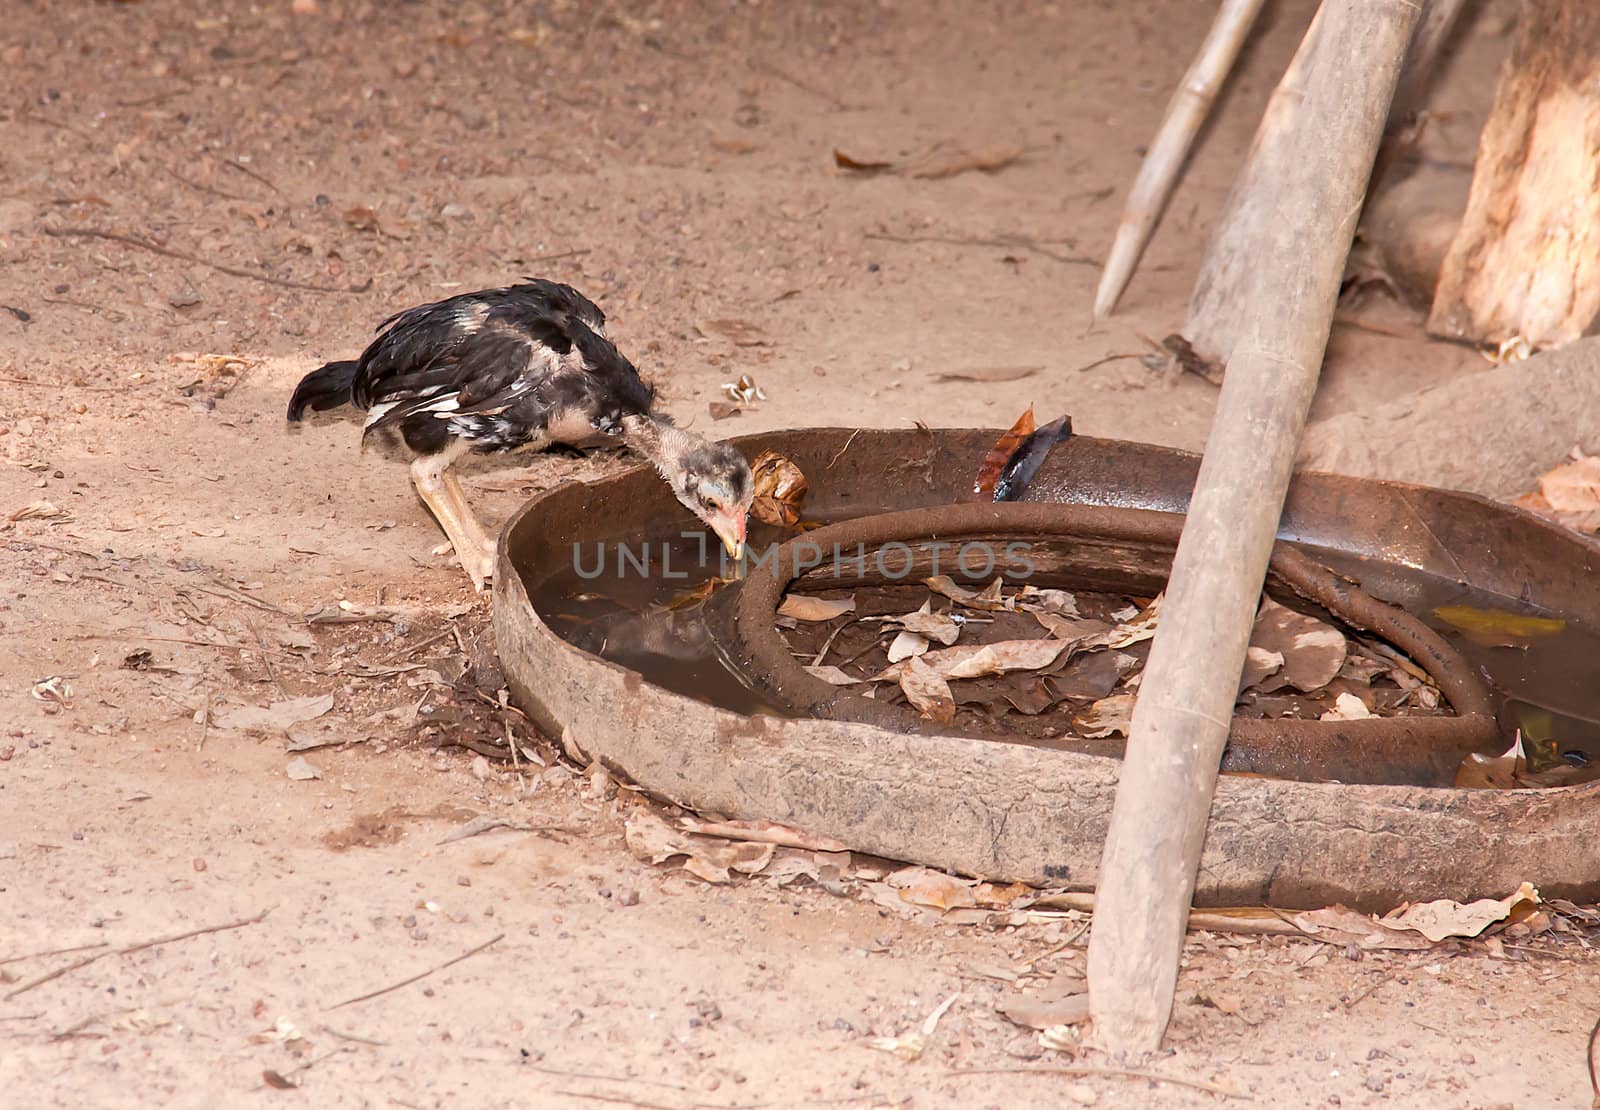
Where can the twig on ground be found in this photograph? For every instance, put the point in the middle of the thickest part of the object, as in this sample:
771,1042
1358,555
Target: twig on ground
803,86
205,722
1085,1070
52,952
248,172
423,975
331,1031
1013,242
183,256
140,947
537,259
1106,359
266,658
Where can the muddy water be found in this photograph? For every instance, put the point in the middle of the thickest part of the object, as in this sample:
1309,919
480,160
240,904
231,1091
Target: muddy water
615,604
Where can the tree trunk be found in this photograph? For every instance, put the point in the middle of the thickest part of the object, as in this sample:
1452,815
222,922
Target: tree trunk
1526,260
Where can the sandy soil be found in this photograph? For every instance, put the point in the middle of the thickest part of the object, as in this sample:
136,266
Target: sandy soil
674,160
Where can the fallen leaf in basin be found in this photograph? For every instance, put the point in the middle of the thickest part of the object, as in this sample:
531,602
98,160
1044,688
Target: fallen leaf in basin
905,645
941,628
1494,627
1107,717
1347,707
832,675
809,607
1036,600
1444,918
989,600
1074,630
1007,655
927,691
1312,650
1259,663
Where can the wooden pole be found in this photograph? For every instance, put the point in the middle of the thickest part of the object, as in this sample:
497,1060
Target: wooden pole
1312,200
1225,291
1434,27
1525,262
1187,111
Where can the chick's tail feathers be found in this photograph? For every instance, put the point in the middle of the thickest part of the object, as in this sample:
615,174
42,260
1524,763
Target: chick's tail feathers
324,388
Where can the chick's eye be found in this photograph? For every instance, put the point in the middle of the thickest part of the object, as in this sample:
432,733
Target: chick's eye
707,502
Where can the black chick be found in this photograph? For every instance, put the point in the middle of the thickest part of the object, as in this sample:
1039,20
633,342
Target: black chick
522,368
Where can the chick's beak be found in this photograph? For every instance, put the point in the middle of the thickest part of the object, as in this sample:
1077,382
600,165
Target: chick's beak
729,525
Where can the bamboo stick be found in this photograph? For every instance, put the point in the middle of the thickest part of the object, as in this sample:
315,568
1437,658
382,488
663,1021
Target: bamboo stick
1321,158
1186,113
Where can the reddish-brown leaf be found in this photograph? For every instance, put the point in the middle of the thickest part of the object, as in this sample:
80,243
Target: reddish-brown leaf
994,463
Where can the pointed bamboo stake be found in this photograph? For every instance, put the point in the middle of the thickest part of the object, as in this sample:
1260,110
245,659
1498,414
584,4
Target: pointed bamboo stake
1187,111
1314,186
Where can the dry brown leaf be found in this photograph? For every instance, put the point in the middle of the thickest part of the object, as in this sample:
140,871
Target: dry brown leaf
764,832
1361,930
742,333
940,628
1006,656
1444,918
1312,650
947,163
780,490
650,838
1347,707
832,675
1142,627
1032,1012
1259,663
1106,717
1573,487
927,691
990,374
922,886
1035,600
989,600
1094,675
722,410
1074,630
276,717
859,165
809,607
38,510
905,645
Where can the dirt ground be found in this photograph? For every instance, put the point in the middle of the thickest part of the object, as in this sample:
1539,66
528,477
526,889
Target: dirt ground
673,160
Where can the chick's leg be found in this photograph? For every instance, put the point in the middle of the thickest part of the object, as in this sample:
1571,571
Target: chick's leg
458,498
460,526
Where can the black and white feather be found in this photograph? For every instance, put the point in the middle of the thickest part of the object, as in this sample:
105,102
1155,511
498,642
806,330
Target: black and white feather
508,369
524,367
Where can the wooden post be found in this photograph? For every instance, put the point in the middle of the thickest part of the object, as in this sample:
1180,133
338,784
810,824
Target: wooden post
1190,105
1434,27
1526,260
1225,291
1312,193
